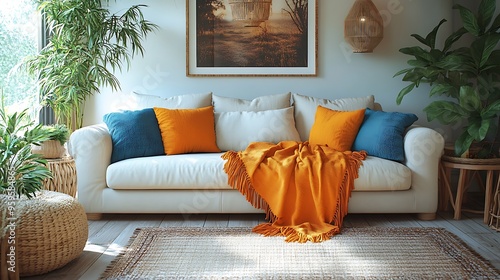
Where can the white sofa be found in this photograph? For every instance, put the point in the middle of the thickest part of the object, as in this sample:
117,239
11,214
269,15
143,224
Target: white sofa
196,182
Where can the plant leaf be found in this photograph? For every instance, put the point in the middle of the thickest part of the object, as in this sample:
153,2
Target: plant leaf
451,62
401,72
478,128
463,142
495,25
469,99
482,48
418,52
431,37
417,63
404,92
469,20
491,110
446,112
485,13
455,36
440,89
420,39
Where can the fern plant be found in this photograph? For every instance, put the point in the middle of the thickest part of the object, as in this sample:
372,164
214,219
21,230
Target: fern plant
468,76
87,43
21,171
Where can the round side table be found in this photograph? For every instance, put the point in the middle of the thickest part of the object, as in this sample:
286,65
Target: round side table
63,176
465,170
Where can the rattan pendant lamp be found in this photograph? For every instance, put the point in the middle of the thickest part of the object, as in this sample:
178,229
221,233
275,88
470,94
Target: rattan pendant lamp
363,27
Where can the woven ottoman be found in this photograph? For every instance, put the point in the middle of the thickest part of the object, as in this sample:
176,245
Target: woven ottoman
51,231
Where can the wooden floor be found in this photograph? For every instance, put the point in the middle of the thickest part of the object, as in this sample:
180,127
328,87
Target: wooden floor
107,237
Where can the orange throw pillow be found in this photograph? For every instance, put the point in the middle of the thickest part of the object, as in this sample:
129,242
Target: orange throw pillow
336,129
187,130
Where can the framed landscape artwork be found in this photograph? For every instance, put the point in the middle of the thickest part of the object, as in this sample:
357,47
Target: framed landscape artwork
251,37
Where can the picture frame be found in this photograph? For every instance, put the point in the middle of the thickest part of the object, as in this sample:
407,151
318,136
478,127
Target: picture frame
251,38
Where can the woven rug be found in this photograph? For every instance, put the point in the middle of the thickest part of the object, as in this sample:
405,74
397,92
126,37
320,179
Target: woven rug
237,253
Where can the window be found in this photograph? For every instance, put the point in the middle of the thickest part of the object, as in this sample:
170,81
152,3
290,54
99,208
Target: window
20,36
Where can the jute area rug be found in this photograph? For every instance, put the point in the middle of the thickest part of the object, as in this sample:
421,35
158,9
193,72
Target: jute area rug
356,253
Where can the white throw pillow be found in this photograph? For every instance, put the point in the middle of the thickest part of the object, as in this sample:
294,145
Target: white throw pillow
235,130
186,101
268,102
305,109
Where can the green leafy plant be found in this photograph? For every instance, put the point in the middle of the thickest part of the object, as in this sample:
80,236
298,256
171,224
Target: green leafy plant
58,132
86,44
469,77
17,163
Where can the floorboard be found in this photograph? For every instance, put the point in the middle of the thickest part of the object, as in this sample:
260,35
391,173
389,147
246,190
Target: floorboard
109,236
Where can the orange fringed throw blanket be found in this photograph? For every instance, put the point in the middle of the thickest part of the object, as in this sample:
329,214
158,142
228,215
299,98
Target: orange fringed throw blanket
304,189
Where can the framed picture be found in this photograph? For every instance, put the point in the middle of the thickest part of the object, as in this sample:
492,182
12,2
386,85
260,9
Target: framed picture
251,37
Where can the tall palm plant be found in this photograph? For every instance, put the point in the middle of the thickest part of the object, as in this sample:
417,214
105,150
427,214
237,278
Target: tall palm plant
87,44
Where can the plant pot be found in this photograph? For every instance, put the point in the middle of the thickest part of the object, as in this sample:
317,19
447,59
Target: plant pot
49,149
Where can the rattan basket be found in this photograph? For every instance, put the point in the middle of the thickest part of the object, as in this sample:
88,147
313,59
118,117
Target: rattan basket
51,231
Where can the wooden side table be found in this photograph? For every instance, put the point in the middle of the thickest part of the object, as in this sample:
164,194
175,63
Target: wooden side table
63,176
465,170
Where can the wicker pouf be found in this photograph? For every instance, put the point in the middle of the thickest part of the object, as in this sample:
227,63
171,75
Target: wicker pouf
51,231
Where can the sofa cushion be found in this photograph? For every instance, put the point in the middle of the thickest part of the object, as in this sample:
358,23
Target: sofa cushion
377,174
182,171
305,109
381,134
235,130
187,130
134,134
205,171
185,101
336,129
268,102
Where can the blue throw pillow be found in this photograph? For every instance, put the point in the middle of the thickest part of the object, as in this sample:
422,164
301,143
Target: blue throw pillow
381,134
134,134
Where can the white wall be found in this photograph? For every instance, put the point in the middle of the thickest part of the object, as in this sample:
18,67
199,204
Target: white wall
340,73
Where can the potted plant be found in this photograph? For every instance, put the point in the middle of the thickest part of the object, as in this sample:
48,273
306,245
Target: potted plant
22,173
52,148
17,162
468,76
85,42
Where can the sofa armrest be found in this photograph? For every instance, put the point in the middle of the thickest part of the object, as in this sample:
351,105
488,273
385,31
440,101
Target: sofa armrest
423,149
91,148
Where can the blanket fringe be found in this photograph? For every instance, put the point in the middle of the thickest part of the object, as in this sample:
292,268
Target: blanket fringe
239,180
292,235
355,159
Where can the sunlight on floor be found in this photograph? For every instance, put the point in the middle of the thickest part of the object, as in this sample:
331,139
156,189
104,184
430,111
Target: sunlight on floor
247,255
113,249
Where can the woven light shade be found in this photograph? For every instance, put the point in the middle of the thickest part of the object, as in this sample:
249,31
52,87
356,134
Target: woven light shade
363,27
